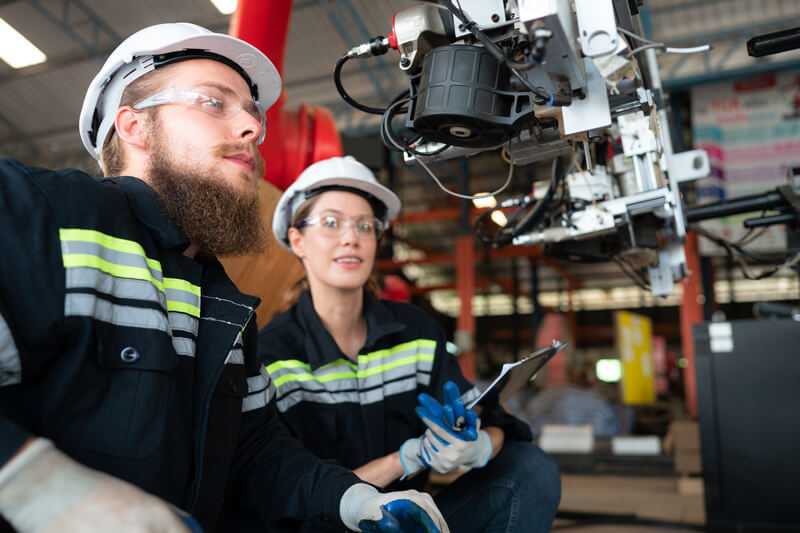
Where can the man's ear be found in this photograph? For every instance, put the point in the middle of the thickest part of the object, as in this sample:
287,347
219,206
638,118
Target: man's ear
130,127
296,243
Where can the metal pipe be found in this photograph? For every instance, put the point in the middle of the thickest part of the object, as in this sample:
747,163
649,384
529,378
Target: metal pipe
735,206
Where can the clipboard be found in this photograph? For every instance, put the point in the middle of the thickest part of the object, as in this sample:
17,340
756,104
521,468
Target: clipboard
514,376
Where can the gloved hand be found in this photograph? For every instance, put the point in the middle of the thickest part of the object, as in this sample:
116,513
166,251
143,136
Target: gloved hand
410,457
363,508
453,437
41,489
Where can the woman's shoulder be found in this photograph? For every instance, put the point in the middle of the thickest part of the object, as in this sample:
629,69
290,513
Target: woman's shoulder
283,332
410,315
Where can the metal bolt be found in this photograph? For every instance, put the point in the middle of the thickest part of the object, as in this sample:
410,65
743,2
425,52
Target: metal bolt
495,17
404,62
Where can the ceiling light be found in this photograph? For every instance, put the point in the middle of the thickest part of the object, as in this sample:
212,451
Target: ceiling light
499,218
484,201
226,7
16,50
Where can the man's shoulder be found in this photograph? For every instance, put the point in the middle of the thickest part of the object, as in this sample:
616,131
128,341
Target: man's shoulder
64,183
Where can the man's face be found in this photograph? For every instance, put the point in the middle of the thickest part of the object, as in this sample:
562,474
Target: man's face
205,168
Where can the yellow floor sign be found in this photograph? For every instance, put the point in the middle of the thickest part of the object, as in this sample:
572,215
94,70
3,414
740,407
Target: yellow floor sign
634,345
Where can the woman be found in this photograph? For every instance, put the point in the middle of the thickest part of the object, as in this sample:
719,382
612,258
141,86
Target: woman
348,367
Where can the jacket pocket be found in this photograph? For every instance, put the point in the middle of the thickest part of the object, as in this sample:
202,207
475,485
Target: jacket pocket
120,400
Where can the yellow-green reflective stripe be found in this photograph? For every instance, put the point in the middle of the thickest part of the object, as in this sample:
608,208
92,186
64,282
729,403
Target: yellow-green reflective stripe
306,376
114,243
182,307
378,354
183,285
92,261
288,363
394,364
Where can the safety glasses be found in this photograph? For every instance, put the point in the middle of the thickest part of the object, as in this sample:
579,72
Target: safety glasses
219,107
334,225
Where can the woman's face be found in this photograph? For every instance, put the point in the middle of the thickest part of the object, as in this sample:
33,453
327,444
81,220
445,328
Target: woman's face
341,262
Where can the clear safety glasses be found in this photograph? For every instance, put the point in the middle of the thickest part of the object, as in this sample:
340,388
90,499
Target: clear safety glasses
333,225
220,107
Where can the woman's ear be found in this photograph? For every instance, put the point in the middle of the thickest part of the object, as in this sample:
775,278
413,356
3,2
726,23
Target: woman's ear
130,127
297,242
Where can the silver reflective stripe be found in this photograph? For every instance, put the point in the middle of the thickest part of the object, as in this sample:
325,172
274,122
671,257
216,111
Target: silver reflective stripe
89,305
311,391
108,254
259,391
10,364
184,346
183,322
182,296
236,355
133,289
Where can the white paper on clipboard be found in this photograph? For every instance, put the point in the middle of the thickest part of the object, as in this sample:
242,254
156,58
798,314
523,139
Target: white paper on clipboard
514,376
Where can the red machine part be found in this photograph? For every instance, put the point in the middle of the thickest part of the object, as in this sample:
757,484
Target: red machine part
295,138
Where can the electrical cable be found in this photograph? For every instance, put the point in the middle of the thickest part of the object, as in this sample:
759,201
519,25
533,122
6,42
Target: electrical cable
389,136
337,80
735,253
661,46
539,210
632,272
467,196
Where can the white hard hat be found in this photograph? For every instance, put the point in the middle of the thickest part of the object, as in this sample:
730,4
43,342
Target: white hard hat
336,173
154,46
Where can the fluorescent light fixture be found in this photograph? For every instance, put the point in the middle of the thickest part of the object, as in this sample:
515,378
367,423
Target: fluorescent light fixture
499,218
608,370
16,50
226,7
485,202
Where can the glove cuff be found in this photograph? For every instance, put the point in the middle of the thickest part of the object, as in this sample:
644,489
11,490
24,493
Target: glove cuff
482,451
40,484
410,457
352,501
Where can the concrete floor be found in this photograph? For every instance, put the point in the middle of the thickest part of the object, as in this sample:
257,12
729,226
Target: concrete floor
664,504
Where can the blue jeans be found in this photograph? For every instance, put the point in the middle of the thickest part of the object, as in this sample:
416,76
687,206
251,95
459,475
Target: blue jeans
518,491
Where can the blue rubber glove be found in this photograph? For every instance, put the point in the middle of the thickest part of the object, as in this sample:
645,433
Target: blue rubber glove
451,416
400,516
363,508
453,438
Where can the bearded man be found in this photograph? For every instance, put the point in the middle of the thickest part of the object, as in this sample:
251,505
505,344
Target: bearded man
131,397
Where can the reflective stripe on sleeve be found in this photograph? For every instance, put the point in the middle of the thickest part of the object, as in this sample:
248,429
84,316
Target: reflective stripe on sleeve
89,305
236,355
10,363
98,265
259,391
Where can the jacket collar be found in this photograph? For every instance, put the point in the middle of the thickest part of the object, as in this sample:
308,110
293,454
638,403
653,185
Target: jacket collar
147,207
319,344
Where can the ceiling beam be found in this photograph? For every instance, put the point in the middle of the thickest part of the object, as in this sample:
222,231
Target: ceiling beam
91,42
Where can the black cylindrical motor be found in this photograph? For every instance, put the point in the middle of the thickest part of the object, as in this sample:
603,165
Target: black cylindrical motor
463,99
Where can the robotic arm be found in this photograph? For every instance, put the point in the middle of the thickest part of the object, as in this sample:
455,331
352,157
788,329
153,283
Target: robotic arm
544,79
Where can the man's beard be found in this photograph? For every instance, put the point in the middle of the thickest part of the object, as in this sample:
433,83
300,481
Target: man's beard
219,218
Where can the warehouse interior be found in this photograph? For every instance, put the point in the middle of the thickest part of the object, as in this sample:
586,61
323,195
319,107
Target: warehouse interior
671,406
